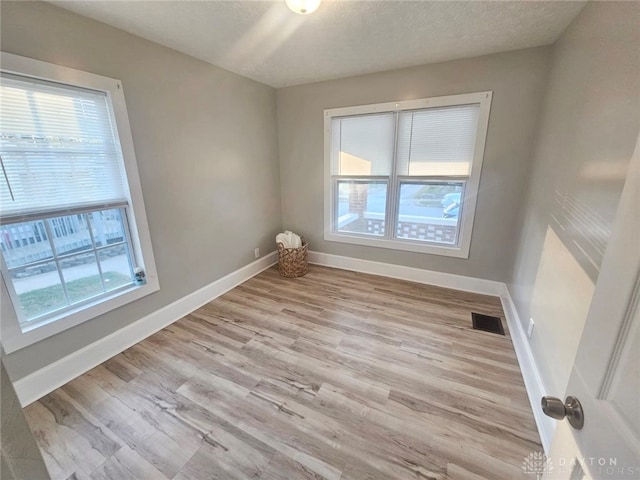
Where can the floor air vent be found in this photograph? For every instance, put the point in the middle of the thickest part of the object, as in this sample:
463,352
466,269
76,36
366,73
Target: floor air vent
487,323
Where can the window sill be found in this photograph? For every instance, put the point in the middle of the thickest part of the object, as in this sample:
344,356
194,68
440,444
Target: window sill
13,338
404,245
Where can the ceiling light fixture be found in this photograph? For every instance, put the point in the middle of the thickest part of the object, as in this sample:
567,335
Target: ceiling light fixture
303,7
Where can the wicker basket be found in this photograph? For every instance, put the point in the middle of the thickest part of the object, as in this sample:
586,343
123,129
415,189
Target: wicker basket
292,262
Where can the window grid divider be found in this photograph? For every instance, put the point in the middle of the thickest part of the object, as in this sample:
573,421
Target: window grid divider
393,192
8,220
95,252
133,260
362,178
432,178
47,227
62,257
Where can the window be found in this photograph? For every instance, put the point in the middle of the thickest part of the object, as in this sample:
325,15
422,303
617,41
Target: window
405,175
73,236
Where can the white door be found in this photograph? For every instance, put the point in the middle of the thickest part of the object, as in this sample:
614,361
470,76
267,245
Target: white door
606,374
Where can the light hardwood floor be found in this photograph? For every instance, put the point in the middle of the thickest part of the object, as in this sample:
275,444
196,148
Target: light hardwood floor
336,375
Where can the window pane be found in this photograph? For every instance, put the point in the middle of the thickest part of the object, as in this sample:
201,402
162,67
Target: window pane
81,277
364,144
70,234
430,211
24,243
116,269
38,289
107,227
35,274
437,141
361,207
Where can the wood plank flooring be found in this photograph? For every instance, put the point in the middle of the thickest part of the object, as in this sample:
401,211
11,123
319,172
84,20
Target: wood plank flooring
336,375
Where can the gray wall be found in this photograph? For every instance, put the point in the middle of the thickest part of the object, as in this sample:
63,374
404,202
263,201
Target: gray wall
517,80
588,129
206,146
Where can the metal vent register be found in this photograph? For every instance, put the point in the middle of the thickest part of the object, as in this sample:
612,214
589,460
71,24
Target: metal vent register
487,323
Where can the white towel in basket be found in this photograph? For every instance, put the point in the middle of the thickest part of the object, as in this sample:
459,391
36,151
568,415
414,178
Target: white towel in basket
289,239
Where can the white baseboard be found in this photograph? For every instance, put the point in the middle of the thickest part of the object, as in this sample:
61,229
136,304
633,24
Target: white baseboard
530,373
439,279
39,383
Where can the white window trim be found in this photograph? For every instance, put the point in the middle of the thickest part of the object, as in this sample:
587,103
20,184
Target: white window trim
12,336
461,250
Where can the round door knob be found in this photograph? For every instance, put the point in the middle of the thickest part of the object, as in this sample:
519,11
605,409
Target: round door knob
570,408
553,407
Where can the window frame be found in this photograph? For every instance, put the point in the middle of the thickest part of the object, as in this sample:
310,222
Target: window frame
471,182
13,337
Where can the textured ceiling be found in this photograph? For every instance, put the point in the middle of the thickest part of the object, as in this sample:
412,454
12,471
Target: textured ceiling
265,41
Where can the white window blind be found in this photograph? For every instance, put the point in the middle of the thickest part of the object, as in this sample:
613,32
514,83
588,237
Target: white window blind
364,144
58,146
437,141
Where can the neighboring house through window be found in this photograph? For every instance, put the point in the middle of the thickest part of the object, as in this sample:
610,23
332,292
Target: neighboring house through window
405,175
73,232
